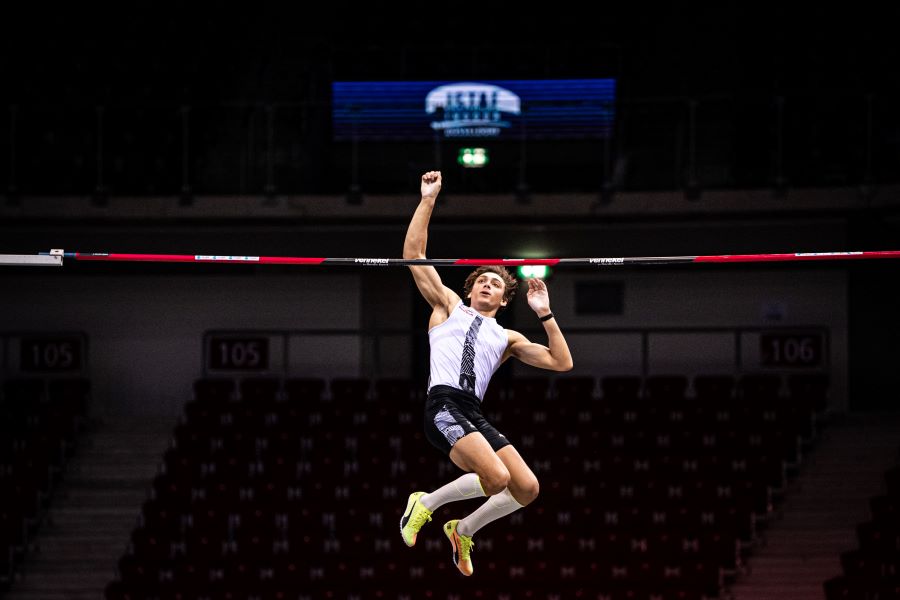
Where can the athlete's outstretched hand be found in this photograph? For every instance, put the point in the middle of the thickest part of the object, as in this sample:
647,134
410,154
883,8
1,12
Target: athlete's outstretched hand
538,297
431,184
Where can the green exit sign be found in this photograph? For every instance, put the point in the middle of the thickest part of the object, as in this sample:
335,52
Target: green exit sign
472,158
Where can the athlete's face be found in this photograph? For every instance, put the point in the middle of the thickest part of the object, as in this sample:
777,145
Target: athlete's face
487,292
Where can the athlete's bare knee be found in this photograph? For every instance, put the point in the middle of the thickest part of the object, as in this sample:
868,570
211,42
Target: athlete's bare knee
525,492
494,480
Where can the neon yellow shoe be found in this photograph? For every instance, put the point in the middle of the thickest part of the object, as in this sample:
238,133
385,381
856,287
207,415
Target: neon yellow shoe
414,517
462,548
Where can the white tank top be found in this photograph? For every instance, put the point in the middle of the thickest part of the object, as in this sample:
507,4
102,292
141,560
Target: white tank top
466,349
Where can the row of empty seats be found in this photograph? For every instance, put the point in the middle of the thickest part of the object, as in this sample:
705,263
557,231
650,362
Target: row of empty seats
293,489
872,571
806,389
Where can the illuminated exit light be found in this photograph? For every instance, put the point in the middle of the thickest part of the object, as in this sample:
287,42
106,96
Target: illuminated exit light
532,271
473,158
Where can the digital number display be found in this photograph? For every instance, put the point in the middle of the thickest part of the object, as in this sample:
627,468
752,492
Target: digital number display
791,350
238,354
49,355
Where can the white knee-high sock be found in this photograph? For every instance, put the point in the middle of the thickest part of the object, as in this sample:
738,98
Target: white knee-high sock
467,486
497,506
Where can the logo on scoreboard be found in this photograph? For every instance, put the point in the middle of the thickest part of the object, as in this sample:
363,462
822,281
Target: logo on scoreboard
471,109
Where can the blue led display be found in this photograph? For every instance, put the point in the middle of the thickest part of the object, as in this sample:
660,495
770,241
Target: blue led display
500,110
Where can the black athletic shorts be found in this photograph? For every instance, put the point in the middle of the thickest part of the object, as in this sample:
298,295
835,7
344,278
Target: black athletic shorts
451,413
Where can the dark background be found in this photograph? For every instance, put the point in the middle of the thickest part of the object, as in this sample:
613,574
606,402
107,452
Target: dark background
200,101
706,94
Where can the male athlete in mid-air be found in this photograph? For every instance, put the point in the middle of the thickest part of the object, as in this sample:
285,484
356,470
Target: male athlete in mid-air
467,346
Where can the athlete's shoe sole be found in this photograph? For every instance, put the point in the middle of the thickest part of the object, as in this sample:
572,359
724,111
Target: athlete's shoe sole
464,565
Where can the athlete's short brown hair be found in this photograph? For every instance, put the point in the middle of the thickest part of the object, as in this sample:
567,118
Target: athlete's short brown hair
511,283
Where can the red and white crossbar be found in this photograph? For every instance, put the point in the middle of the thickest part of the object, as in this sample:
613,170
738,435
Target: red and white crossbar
474,262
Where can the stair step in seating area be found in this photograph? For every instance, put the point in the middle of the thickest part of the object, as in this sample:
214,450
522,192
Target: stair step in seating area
40,420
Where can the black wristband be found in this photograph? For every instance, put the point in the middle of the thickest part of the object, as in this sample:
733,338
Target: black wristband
547,317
